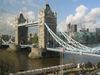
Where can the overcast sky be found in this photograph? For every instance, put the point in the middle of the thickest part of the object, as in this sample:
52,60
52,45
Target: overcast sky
81,12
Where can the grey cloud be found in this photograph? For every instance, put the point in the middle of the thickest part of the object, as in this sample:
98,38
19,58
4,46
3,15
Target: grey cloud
8,21
91,19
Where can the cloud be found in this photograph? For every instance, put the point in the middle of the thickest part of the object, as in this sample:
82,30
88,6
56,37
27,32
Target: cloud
30,16
12,1
84,17
25,1
21,1
8,21
77,17
93,15
62,27
92,19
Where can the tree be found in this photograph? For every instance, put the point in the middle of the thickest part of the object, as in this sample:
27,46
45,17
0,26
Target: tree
35,39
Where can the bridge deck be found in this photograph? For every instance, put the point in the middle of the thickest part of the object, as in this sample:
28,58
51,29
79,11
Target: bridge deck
73,52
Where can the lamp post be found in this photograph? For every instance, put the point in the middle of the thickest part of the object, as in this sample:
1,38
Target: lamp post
62,58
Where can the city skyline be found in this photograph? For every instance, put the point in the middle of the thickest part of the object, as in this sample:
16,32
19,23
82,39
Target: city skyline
68,11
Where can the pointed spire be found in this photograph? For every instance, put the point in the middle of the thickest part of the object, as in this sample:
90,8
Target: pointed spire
47,9
21,19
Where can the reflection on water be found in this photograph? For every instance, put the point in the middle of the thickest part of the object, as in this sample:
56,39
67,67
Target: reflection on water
80,58
20,60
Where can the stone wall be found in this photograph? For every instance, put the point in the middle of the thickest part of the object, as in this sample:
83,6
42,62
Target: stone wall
49,17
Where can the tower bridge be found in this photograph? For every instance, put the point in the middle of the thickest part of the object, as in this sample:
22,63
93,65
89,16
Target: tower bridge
47,24
48,40
46,15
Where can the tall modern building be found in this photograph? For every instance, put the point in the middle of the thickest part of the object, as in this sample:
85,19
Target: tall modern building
71,29
50,18
74,28
21,31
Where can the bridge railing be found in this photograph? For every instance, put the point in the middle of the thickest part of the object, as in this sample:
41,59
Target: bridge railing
46,70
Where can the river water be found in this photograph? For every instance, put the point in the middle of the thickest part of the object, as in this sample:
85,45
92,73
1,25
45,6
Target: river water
20,61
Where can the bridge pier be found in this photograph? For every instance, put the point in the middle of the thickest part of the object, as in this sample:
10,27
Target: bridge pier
41,52
13,47
36,53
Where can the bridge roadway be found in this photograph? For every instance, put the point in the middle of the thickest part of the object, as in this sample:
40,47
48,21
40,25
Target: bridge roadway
48,70
66,51
73,52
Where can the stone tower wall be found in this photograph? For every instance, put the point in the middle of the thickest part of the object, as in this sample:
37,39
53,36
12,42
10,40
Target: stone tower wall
49,17
21,31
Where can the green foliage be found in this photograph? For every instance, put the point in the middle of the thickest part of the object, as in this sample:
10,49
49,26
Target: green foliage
35,39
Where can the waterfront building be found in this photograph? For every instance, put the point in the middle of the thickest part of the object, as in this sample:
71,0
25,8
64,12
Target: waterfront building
74,28
81,35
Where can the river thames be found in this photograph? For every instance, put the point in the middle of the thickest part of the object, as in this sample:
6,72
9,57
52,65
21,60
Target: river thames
20,61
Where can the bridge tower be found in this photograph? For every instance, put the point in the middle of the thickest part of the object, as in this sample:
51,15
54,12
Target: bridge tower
47,16
50,18
21,31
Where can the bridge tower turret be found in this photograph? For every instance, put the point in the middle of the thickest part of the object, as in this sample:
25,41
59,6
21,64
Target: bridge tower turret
50,18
